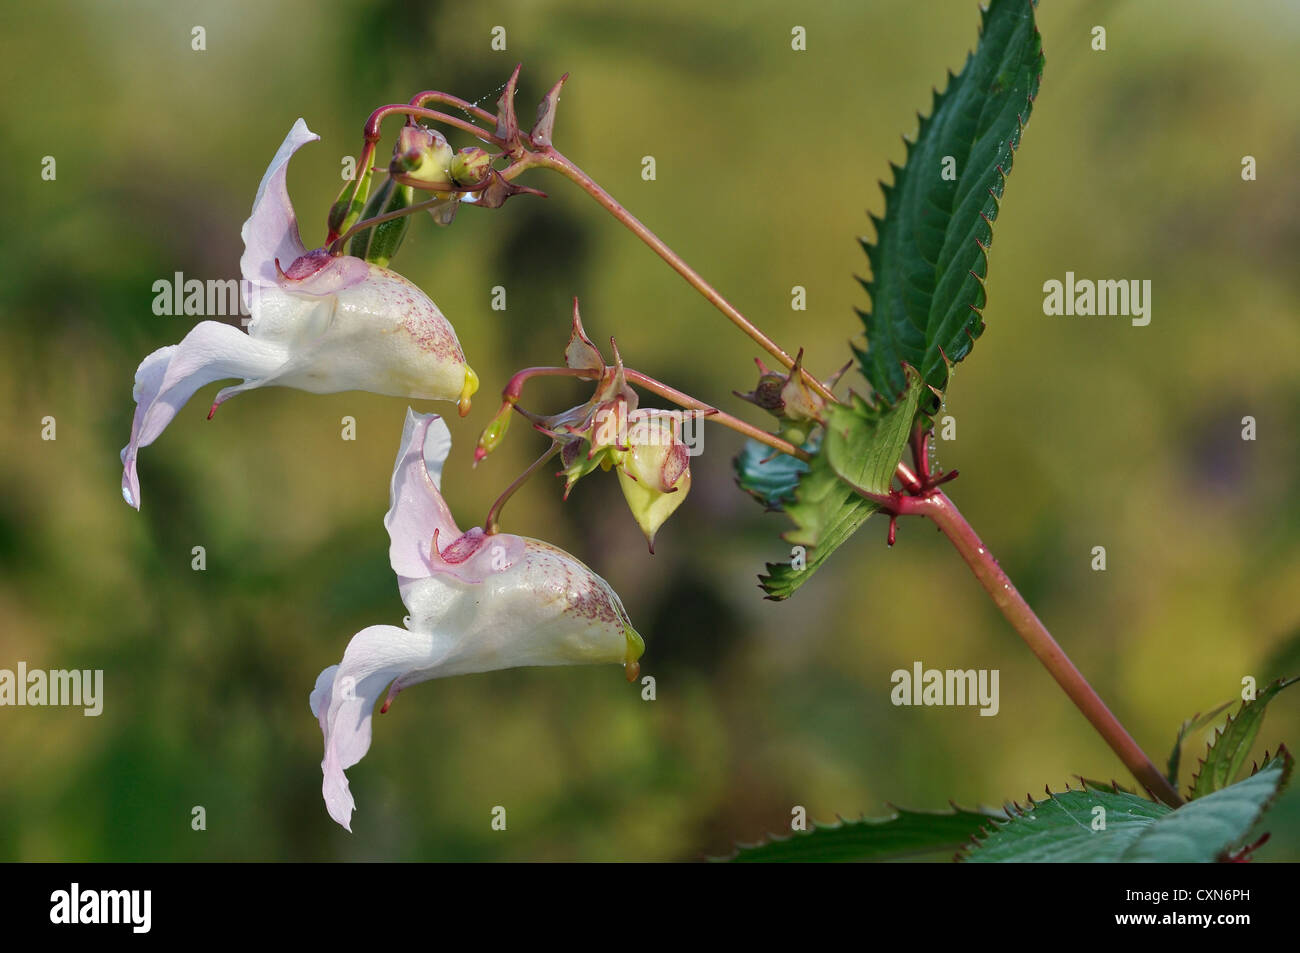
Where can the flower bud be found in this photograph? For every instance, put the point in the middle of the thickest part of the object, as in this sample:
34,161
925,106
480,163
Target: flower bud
577,459
800,403
654,472
494,432
788,397
767,393
422,157
469,166
609,426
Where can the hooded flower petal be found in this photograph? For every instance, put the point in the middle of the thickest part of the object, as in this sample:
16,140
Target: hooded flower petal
477,603
320,323
271,232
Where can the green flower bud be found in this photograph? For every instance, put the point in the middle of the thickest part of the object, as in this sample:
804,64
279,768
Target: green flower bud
578,460
651,507
469,166
654,473
422,157
494,432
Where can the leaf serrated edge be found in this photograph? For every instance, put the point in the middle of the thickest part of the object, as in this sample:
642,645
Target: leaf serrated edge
1280,683
1288,766
977,843
841,822
871,249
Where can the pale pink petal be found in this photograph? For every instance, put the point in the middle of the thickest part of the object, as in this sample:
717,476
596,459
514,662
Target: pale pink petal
417,508
271,232
345,695
168,377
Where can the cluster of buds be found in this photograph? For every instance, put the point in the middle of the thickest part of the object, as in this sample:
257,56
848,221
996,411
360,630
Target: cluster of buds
610,432
423,159
644,447
789,399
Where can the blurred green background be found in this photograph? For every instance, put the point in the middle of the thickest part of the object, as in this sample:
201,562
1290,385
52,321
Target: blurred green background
1072,432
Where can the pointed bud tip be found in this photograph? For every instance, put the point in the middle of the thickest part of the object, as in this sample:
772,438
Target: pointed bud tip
468,389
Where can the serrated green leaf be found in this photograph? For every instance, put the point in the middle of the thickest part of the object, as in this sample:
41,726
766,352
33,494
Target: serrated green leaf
768,475
1060,829
928,262
1201,831
865,444
1066,828
904,834
1193,724
1229,749
826,513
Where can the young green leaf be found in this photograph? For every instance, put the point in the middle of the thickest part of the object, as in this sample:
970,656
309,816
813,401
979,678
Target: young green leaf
1228,749
826,513
1203,830
863,445
1193,724
928,262
904,834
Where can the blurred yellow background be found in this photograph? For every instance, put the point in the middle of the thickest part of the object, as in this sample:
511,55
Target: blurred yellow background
1071,432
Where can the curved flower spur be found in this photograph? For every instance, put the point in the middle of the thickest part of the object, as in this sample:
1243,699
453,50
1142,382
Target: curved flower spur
478,602
320,323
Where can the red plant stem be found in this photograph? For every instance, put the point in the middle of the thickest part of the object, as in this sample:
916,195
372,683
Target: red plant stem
552,159
515,387
920,441
406,109
715,415
938,507
910,481
435,96
386,217
491,524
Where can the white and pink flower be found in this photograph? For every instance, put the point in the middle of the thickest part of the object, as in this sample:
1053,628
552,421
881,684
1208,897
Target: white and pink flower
477,603
320,323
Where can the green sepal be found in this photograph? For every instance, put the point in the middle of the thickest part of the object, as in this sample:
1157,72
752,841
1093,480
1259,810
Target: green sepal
347,208
380,243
